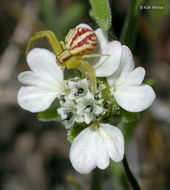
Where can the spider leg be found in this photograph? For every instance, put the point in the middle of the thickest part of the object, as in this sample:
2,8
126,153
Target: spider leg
91,71
93,55
72,64
51,38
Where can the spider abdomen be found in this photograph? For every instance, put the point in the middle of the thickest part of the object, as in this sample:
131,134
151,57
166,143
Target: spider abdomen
81,41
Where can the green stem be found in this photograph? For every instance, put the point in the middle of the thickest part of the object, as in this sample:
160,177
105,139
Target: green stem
129,30
130,176
96,180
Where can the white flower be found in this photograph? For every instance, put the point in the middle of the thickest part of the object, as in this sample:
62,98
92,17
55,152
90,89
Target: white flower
94,146
68,114
98,95
88,109
105,65
45,81
78,89
126,85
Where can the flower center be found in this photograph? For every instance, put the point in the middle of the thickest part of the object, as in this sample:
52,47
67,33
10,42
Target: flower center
89,108
79,91
68,115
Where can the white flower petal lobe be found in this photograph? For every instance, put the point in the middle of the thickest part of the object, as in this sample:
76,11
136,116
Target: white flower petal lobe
35,99
93,147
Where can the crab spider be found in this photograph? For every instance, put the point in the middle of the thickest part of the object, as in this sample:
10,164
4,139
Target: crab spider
78,43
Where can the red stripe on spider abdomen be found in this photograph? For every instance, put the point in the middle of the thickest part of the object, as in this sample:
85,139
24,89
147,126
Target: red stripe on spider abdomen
82,41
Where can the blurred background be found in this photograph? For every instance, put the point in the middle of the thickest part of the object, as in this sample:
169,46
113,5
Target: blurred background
34,155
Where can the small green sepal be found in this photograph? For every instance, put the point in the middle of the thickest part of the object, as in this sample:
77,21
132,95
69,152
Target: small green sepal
75,130
49,115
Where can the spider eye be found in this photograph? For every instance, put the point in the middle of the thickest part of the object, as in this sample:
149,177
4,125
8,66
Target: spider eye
81,41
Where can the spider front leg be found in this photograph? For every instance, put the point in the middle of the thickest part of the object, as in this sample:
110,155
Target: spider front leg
74,63
91,72
51,38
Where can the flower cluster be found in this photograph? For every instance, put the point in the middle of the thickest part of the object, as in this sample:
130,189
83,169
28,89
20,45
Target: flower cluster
79,105
119,88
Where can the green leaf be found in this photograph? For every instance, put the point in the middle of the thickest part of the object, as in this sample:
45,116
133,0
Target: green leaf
75,130
49,115
91,14
101,12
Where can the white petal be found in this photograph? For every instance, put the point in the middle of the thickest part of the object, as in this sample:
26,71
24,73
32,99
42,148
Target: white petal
61,111
98,110
68,124
135,77
43,63
88,117
29,78
102,37
84,26
83,153
102,161
79,118
105,66
32,79
126,66
35,99
113,140
84,83
127,62
135,98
